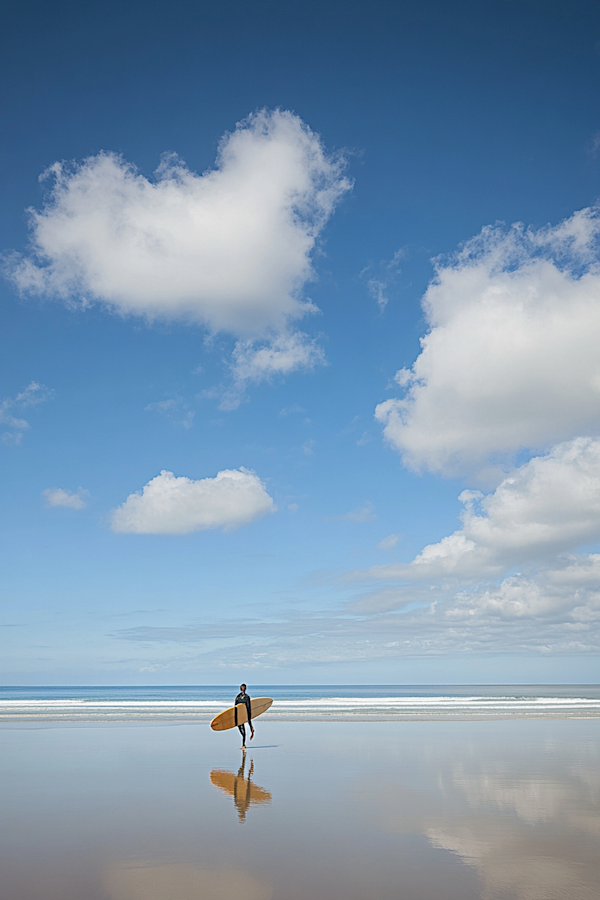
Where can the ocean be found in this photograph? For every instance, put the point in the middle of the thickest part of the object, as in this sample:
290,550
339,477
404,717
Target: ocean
302,702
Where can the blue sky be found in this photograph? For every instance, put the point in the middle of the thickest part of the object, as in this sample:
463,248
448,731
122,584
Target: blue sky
280,242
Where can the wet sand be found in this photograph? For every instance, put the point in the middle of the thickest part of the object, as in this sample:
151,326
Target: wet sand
413,810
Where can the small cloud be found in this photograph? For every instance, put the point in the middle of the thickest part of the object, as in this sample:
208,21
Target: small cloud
32,395
594,144
12,438
365,438
60,497
351,426
308,447
364,513
163,406
293,507
175,409
378,290
388,542
289,410
255,361
212,393
379,286
171,505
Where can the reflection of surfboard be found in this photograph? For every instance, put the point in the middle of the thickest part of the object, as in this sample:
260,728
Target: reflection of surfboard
237,715
235,786
241,787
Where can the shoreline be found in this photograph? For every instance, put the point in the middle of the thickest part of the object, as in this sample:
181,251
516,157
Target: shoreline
286,717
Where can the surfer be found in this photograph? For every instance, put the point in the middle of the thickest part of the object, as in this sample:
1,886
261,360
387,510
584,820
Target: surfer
243,697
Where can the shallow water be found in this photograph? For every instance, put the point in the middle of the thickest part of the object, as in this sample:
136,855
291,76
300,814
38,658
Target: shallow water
402,810
301,702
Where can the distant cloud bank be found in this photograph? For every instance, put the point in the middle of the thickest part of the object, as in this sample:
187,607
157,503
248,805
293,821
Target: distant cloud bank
512,561
171,505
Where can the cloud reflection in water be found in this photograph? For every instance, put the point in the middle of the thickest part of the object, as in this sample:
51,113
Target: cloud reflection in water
526,824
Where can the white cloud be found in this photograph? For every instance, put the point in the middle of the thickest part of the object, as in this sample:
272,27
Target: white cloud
378,290
547,506
388,542
571,589
254,362
32,395
60,497
170,505
463,594
555,612
175,408
283,354
365,513
511,358
229,249
379,286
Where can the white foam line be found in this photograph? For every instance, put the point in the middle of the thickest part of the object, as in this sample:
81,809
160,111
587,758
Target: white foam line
330,703
326,707
112,703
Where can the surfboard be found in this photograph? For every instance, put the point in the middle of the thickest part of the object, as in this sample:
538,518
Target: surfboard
237,715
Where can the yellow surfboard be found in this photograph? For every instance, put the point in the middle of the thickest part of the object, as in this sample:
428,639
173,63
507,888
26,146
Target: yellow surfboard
237,715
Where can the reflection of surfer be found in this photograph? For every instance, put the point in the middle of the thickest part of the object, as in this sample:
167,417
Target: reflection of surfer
241,787
243,697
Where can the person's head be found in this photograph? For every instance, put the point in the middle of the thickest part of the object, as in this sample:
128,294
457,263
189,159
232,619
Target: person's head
242,687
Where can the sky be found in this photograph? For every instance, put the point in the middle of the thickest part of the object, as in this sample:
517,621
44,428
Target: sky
301,317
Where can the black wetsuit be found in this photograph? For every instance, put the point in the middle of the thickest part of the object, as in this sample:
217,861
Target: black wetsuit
243,697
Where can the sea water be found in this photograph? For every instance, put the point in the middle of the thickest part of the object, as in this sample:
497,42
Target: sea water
301,702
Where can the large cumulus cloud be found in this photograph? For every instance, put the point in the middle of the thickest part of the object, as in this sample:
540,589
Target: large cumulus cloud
229,249
511,359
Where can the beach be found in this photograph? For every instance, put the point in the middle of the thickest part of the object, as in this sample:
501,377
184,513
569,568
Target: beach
157,809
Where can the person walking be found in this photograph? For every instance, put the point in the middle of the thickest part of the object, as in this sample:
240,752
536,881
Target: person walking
244,698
